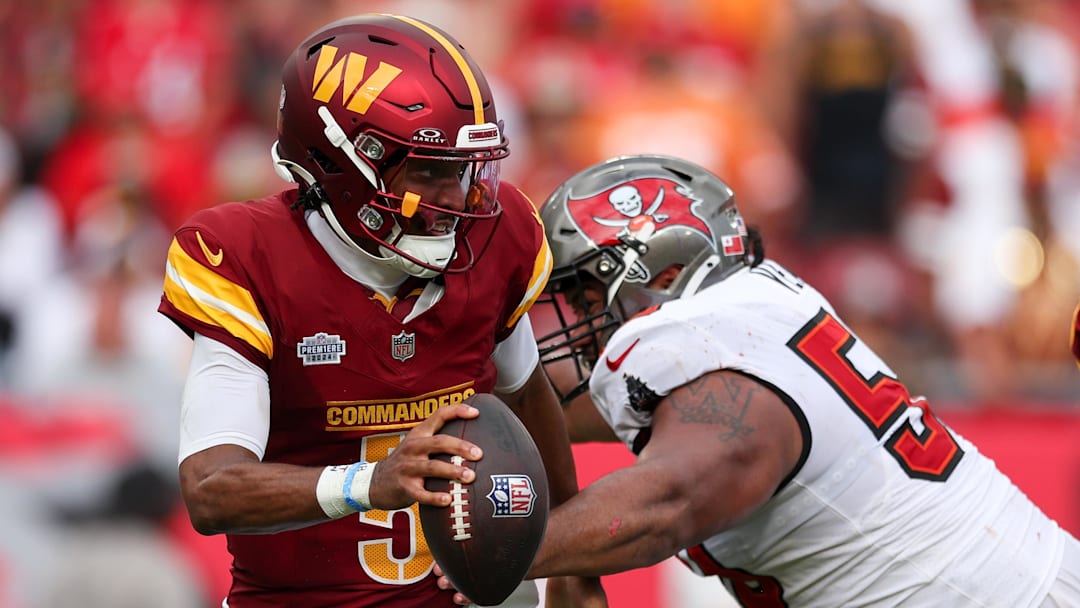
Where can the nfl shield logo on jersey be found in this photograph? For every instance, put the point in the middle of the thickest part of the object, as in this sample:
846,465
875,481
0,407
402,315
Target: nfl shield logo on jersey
512,495
403,346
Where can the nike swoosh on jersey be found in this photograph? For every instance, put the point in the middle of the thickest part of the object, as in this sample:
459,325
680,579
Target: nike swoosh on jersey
213,258
613,364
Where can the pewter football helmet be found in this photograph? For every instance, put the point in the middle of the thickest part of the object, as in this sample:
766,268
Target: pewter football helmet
615,228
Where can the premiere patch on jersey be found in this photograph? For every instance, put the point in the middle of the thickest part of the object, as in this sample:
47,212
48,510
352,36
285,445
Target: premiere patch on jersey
512,495
321,349
403,346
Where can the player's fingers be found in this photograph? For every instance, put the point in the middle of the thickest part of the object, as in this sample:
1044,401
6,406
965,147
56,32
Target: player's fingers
404,491
412,473
415,451
445,444
445,584
454,471
441,416
425,440
435,499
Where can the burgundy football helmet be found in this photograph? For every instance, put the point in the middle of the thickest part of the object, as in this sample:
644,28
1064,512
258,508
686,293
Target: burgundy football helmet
614,229
390,129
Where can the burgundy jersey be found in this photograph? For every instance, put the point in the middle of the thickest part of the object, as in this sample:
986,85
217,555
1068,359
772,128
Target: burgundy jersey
347,377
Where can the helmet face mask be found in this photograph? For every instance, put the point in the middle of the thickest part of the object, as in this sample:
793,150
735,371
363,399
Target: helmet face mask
390,129
626,235
583,322
429,231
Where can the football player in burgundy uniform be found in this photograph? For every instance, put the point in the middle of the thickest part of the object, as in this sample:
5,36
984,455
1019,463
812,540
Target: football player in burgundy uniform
775,450
337,325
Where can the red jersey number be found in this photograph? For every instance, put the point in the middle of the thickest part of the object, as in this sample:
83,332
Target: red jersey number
879,401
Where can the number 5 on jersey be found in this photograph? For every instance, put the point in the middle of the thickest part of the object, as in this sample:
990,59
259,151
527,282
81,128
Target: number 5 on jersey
879,401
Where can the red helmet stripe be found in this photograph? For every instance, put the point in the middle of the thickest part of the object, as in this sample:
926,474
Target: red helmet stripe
459,59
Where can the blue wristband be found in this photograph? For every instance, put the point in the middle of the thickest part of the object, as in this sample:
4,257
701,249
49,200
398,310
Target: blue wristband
346,487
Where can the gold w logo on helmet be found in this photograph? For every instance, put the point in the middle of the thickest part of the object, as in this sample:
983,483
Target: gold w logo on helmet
358,93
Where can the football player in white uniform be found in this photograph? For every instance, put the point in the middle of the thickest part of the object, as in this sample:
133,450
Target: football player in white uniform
775,450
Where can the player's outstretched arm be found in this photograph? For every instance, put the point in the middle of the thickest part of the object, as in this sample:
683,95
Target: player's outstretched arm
228,490
720,447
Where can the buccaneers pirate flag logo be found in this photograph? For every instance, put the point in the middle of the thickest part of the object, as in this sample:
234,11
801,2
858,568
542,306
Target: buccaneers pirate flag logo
617,212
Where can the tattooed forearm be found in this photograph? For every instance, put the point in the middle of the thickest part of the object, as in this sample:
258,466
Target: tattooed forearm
717,399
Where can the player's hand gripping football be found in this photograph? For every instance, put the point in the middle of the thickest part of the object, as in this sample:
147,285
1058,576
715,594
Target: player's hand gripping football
398,480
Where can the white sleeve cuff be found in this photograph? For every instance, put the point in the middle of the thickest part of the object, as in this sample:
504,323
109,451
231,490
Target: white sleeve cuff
226,401
516,357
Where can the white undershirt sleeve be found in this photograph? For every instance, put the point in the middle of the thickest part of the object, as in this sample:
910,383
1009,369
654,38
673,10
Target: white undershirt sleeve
516,357
226,400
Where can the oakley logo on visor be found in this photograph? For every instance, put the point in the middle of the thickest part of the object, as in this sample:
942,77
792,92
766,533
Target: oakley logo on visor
429,136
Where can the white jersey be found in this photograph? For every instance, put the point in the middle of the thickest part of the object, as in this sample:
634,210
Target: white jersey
888,507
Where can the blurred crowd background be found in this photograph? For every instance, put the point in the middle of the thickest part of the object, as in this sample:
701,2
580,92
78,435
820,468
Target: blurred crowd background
916,160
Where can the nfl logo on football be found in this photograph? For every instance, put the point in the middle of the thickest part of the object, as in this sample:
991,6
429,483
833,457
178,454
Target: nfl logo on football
512,495
403,346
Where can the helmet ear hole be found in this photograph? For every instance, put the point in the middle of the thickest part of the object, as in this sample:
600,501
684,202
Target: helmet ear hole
328,166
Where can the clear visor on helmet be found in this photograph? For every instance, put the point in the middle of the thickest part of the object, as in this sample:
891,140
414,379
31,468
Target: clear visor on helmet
430,195
427,207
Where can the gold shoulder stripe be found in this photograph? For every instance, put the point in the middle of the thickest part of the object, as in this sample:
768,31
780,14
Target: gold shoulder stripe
542,266
209,297
455,53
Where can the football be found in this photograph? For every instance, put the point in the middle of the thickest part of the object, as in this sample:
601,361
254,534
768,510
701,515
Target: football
486,539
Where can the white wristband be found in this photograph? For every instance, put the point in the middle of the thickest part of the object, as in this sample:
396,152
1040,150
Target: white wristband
344,489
